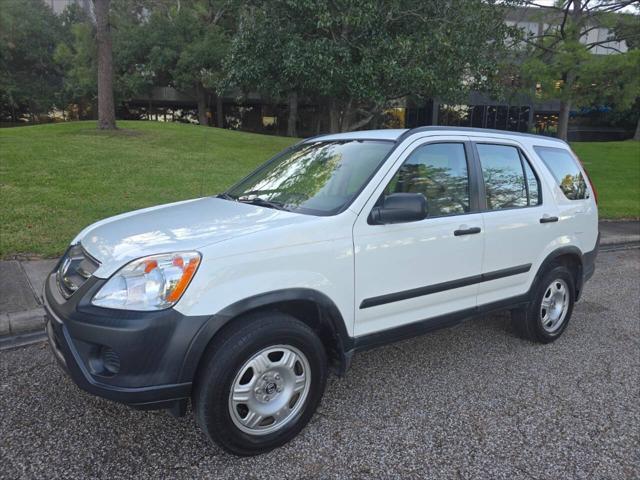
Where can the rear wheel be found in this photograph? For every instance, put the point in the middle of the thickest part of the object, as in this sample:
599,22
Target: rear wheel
549,313
260,383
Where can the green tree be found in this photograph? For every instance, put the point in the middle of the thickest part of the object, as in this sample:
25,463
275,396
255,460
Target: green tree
186,43
77,58
628,29
563,62
359,56
29,76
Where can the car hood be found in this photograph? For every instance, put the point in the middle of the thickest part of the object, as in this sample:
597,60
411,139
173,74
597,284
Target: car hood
181,226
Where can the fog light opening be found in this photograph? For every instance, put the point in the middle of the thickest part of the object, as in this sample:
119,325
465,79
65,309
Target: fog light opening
110,360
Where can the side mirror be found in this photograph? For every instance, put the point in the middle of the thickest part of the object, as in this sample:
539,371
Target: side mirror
399,208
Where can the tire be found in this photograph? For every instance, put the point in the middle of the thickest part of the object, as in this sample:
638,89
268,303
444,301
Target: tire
545,324
282,365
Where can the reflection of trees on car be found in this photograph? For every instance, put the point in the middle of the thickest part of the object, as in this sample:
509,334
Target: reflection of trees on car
573,186
446,192
318,176
505,188
300,176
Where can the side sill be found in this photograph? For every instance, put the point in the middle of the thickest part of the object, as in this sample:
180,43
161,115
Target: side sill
377,339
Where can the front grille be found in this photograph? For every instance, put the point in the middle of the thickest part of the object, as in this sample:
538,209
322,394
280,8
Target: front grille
76,267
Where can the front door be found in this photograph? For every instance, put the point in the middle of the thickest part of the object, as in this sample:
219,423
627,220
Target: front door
408,272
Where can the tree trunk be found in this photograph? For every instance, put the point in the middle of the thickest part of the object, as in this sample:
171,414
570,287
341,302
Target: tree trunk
202,104
318,119
106,106
219,112
292,121
636,136
360,123
334,116
435,109
563,119
347,114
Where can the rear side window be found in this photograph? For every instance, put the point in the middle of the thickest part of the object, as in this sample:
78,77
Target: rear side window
565,170
508,179
439,172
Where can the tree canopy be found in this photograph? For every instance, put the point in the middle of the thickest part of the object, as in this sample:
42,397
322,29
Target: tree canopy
361,55
560,63
353,60
29,76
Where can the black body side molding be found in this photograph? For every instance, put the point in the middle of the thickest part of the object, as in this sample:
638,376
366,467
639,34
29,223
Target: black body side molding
441,287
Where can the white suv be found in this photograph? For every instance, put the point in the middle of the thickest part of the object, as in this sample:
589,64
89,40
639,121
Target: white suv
343,242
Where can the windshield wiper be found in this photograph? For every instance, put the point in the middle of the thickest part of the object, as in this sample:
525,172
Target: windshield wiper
264,203
226,196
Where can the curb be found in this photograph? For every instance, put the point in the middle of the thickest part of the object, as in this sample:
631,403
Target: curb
619,240
17,323
21,340
617,246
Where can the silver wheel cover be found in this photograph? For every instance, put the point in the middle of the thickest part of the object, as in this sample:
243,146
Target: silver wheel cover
554,305
269,390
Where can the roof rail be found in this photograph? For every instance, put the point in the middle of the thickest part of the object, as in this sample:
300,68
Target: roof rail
435,128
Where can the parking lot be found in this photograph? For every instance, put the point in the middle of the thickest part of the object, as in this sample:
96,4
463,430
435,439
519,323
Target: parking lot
467,402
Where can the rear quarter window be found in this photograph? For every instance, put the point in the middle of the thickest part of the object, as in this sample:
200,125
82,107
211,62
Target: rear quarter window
564,168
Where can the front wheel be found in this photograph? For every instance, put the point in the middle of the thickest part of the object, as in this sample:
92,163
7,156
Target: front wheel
548,315
260,383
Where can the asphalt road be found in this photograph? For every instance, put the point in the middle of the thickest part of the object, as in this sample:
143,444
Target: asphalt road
468,402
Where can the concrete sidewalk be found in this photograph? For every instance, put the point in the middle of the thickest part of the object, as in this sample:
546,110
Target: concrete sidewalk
619,232
21,285
21,282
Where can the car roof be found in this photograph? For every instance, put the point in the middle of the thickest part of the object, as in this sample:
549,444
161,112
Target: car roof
383,134
396,134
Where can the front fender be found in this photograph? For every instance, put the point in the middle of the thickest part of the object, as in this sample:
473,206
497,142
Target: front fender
216,322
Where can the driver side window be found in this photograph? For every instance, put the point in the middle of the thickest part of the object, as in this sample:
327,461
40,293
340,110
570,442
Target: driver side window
438,171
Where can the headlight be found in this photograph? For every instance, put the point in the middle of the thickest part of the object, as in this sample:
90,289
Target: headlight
150,283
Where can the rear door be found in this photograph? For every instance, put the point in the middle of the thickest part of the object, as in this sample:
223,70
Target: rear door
519,221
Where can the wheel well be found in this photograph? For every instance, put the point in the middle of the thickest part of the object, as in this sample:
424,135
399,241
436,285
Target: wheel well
319,318
573,262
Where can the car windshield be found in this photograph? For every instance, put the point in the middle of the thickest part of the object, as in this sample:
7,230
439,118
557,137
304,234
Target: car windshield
317,178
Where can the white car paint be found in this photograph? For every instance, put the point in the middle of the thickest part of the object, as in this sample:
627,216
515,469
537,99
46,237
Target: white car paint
248,250
191,225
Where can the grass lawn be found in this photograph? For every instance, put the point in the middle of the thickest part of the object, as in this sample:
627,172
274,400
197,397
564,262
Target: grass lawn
57,178
614,168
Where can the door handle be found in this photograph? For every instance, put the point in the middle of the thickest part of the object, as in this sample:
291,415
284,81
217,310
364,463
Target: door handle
548,219
466,231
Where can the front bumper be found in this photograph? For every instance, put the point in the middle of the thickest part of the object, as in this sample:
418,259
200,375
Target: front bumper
135,358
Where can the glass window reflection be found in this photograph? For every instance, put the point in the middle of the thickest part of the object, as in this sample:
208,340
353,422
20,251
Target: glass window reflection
565,170
439,172
504,180
315,178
